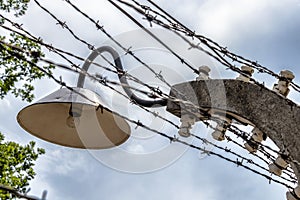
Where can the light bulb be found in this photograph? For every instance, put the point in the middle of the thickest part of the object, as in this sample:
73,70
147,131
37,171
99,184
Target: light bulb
72,122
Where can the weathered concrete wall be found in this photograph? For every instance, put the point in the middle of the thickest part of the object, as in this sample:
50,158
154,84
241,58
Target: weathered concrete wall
274,115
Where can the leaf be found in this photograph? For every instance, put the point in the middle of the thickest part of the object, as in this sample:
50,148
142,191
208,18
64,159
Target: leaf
16,164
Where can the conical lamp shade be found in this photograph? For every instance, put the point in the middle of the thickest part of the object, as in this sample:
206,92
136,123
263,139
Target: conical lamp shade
49,119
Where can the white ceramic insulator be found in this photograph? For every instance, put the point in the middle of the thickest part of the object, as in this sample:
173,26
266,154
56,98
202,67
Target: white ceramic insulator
282,87
202,77
203,73
281,162
290,196
250,148
187,121
275,170
297,191
218,134
287,74
256,130
243,78
247,70
257,135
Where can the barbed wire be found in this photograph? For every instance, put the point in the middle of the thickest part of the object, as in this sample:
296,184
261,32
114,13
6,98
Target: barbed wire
248,160
89,45
218,57
82,59
176,25
138,91
127,50
47,45
56,50
64,26
139,123
289,172
220,52
99,27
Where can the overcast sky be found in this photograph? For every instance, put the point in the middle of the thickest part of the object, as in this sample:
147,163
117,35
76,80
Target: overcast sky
262,30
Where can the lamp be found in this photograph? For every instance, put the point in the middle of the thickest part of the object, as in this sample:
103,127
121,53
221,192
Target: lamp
72,118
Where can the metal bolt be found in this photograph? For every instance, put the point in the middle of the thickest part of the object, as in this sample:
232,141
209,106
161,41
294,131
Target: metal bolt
187,121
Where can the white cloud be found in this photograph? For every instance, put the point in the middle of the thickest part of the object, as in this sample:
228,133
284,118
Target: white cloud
232,20
135,148
74,174
4,103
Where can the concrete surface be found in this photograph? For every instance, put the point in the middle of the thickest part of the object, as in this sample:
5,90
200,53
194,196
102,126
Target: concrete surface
274,115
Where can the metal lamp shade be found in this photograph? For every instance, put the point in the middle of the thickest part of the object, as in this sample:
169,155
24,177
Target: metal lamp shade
94,129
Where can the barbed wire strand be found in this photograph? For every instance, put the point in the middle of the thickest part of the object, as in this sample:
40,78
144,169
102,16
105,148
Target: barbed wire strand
207,41
89,45
155,114
289,172
64,26
101,28
225,62
141,26
220,54
60,52
248,160
225,149
182,60
106,68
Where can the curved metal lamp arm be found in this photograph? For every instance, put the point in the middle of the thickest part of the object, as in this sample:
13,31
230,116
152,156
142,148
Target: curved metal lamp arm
122,78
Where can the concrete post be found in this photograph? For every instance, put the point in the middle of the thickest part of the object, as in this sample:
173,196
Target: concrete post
273,114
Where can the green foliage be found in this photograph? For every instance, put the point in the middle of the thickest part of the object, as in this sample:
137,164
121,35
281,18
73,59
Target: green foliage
16,165
17,72
18,6
17,75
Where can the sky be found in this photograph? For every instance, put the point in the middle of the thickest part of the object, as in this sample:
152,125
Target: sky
146,167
